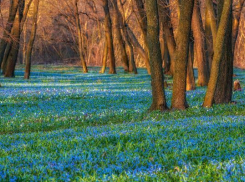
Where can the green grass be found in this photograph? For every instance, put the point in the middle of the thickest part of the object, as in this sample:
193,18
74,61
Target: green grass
63,125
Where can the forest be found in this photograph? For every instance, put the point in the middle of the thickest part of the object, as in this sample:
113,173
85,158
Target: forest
122,90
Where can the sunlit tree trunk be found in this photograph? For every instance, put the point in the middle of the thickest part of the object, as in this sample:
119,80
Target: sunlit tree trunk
182,50
168,32
223,92
16,30
218,53
117,24
104,58
157,82
109,38
143,27
31,41
190,80
4,41
200,44
80,38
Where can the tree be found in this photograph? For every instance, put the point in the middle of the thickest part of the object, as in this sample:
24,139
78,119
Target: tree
16,31
218,53
181,60
200,46
109,37
4,41
80,38
158,95
31,41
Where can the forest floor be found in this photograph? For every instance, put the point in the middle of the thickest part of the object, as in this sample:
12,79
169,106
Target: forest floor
62,125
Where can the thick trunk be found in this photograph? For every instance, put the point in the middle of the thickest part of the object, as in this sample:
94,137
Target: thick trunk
223,92
80,38
200,44
157,82
117,24
13,54
4,41
109,38
182,50
218,53
31,41
104,58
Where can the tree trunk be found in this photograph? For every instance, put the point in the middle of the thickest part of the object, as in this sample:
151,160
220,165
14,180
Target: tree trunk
109,38
143,27
157,82
80,38
223,92
190,80
168,32
180,71
218,53
31,41
13,54
117,24
200,43
104,58
4,41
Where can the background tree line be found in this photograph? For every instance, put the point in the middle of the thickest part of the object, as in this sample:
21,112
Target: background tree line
176,34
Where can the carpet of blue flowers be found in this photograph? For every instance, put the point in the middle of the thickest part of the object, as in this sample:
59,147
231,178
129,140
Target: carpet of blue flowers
62,125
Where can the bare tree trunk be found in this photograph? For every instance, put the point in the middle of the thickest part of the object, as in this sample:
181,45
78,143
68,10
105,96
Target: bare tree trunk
31,41
13,54
80,38
158,94
200,43
117,24
109,38
182,50
218,53
104,58
223,92
168,32
190,80
4,41
143,27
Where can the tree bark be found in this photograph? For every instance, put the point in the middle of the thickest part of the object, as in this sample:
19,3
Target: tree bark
31,41
109,38
223,92
143,27
182,50
104,58
201,46
118,24
190,80
218,53
4,41
80,38
13,54
157,78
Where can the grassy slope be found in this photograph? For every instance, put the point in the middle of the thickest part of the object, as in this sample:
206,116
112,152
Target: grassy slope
65,125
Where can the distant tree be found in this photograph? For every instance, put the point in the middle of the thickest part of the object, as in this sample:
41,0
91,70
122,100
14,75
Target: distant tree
200,46
219,50
80,37
31,41
109,37
182,52
157,82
